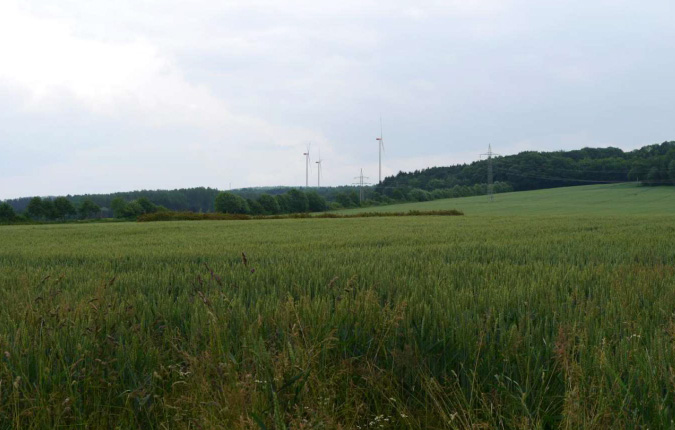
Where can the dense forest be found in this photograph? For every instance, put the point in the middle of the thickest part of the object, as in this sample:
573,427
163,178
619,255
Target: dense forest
651,165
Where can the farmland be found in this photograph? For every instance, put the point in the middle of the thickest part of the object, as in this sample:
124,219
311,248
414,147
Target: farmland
606,199
552,315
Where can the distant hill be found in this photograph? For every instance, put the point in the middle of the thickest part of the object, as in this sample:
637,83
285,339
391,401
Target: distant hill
592,200
650,165
530,170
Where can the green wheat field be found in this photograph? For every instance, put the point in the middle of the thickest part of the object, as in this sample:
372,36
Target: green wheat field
542,310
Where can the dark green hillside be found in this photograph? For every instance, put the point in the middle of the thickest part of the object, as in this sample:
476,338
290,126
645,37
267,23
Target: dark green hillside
650,165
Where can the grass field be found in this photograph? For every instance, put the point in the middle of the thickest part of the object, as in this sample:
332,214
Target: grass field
613,199
469,322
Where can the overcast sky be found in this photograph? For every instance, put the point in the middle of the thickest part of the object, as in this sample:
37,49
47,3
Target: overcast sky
102,96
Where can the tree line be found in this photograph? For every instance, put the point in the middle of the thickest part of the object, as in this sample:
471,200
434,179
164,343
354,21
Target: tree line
58,209
650,165
292,201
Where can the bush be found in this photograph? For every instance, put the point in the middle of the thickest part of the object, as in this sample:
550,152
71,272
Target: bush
315,202
231,204
297,201
269,204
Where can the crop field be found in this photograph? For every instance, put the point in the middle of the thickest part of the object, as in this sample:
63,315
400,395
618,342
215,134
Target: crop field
606,199
462,322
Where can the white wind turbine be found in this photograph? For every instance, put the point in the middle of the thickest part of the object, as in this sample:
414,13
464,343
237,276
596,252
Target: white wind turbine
306,154
381,148
318,177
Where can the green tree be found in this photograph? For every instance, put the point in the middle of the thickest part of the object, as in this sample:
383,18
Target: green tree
119,207
35,208
269,204
133,209
88,209
398,194
354,197
7,213
315,202
435,184
254,208
419,195
147,205
653,177
671,171
48,209
343,199
230,203
63,208
284,203
297,201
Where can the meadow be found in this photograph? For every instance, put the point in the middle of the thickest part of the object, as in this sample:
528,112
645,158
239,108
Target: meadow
465,322
605,199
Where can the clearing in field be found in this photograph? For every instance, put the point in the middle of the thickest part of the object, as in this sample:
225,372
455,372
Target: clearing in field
491,321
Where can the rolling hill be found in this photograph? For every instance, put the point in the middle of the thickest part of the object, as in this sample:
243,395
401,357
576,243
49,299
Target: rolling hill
606,199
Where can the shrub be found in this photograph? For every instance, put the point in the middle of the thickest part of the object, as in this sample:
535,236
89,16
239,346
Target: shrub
231,204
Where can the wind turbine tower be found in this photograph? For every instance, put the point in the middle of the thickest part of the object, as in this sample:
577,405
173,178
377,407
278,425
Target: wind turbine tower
318,174
306,154
380,144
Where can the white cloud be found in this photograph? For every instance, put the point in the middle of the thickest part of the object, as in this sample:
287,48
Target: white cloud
104,96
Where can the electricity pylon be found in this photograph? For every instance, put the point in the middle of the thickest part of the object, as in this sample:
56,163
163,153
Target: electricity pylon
490,185
361,183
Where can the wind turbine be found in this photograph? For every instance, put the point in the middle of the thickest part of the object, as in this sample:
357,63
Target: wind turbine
381,148
318,177
306,154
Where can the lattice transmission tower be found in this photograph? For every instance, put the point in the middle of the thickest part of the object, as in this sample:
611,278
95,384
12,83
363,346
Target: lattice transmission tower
490,176
361,183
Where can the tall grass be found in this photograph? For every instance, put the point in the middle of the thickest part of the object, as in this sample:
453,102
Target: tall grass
402,322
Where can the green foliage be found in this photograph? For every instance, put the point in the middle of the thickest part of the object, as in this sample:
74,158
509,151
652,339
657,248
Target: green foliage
354,199
284,202
35,208
146,205
133,209
418,195
315,202
118,206
48,209
63,208
297,201
269,204
536,170
88,209
254,208
7,213
231,204
671,171
344,200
